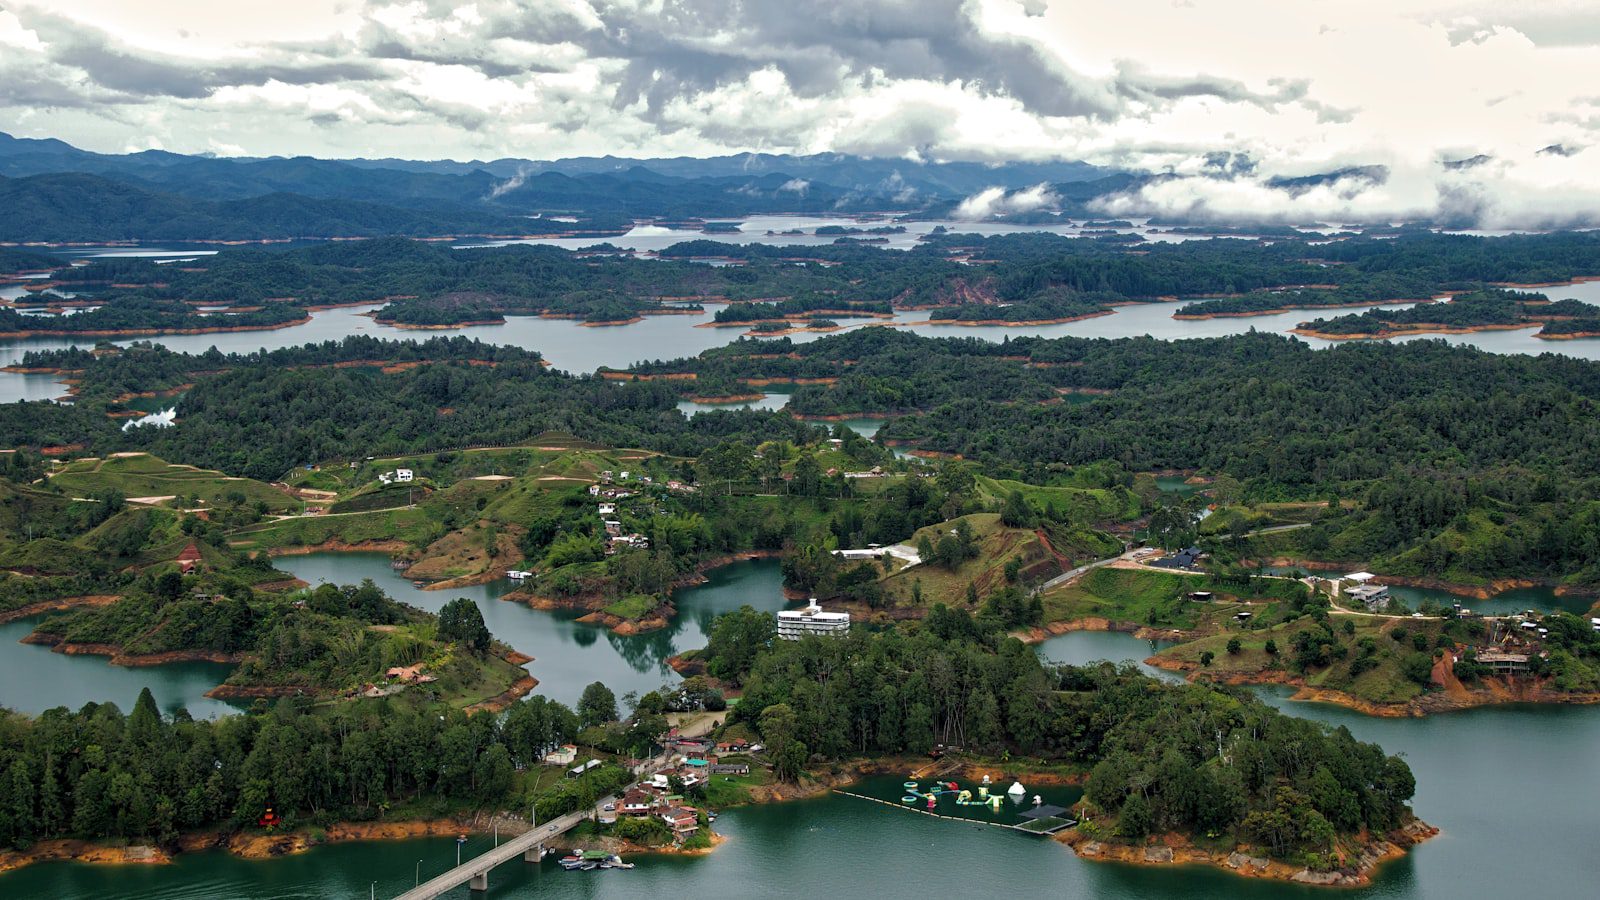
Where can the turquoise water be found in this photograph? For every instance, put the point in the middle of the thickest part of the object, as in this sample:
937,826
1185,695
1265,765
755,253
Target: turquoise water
1514,789
1539,599
568,654
34,679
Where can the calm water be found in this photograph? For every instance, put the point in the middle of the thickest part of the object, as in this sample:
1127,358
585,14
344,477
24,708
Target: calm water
568,655
1539,599
864,427
571,346
1515,790
33,679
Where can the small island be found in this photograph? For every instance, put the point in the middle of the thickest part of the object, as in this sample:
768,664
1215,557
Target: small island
1487,310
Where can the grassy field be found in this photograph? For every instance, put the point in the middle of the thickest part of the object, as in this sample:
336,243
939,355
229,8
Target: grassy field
633,606
1084,504
1382,683
997,545
411,525
143,475
1148,597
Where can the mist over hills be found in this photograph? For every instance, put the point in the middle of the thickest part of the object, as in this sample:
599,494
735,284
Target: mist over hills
58,192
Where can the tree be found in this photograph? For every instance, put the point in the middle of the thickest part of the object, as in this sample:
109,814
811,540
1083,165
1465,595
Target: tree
597,705
460,620
1206,657
1016,513
778,726
1271,647
1234,646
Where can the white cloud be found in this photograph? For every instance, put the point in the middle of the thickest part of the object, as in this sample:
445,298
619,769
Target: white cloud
998,201
1302,86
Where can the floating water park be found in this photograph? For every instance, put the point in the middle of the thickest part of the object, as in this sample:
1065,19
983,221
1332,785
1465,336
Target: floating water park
925,798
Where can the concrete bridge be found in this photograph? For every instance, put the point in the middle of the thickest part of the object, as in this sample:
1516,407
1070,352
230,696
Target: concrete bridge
474,873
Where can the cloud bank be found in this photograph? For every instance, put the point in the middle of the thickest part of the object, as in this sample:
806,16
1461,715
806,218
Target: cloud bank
1231,100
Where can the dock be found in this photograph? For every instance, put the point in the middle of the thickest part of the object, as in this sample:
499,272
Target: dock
1042,826
475,872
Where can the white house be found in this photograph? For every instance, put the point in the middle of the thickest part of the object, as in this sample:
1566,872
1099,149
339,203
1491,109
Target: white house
608,509
564,755
402,475
794,624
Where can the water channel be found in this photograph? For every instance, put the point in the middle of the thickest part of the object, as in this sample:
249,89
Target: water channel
1514,789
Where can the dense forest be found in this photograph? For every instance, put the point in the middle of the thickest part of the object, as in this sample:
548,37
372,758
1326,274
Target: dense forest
1161,757
80,207
1459,461
261,414
139,313
98,772
1476,309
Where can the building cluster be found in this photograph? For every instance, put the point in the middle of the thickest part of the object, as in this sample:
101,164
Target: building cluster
398,476
692,762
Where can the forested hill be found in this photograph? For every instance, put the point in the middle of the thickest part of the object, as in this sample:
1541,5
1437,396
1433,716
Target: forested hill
262,414
1162,758
73,207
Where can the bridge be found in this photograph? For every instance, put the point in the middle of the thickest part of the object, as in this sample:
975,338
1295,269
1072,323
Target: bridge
474,873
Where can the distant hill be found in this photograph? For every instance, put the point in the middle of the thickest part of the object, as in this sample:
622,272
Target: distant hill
679,187
81,207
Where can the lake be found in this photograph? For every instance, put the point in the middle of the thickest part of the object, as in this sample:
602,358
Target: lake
567,654
1514,789
571,346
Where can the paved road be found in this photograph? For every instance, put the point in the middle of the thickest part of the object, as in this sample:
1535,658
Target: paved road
1067,576
481,865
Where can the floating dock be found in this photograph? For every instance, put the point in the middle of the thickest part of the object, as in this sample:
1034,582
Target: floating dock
1040,825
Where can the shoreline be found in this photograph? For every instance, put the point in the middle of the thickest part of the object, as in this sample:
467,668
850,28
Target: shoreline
40,607
120,657
252,845
661,616
1409,332
1178,849
148,332
1247,314
1494,692
1009,323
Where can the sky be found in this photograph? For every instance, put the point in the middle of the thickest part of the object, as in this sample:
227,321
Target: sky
1484,111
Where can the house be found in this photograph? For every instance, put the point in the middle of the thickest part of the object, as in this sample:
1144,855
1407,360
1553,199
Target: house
564,755
1374,597
518,574
607,509
594,490
729,769
682,819
402,475
637,802
189,558
794,624
1504,663
408,674
578,771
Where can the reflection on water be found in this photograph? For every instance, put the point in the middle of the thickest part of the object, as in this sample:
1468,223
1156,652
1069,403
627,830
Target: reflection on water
568,654
34,679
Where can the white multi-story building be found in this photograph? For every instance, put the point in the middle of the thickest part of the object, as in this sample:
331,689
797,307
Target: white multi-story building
794,624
